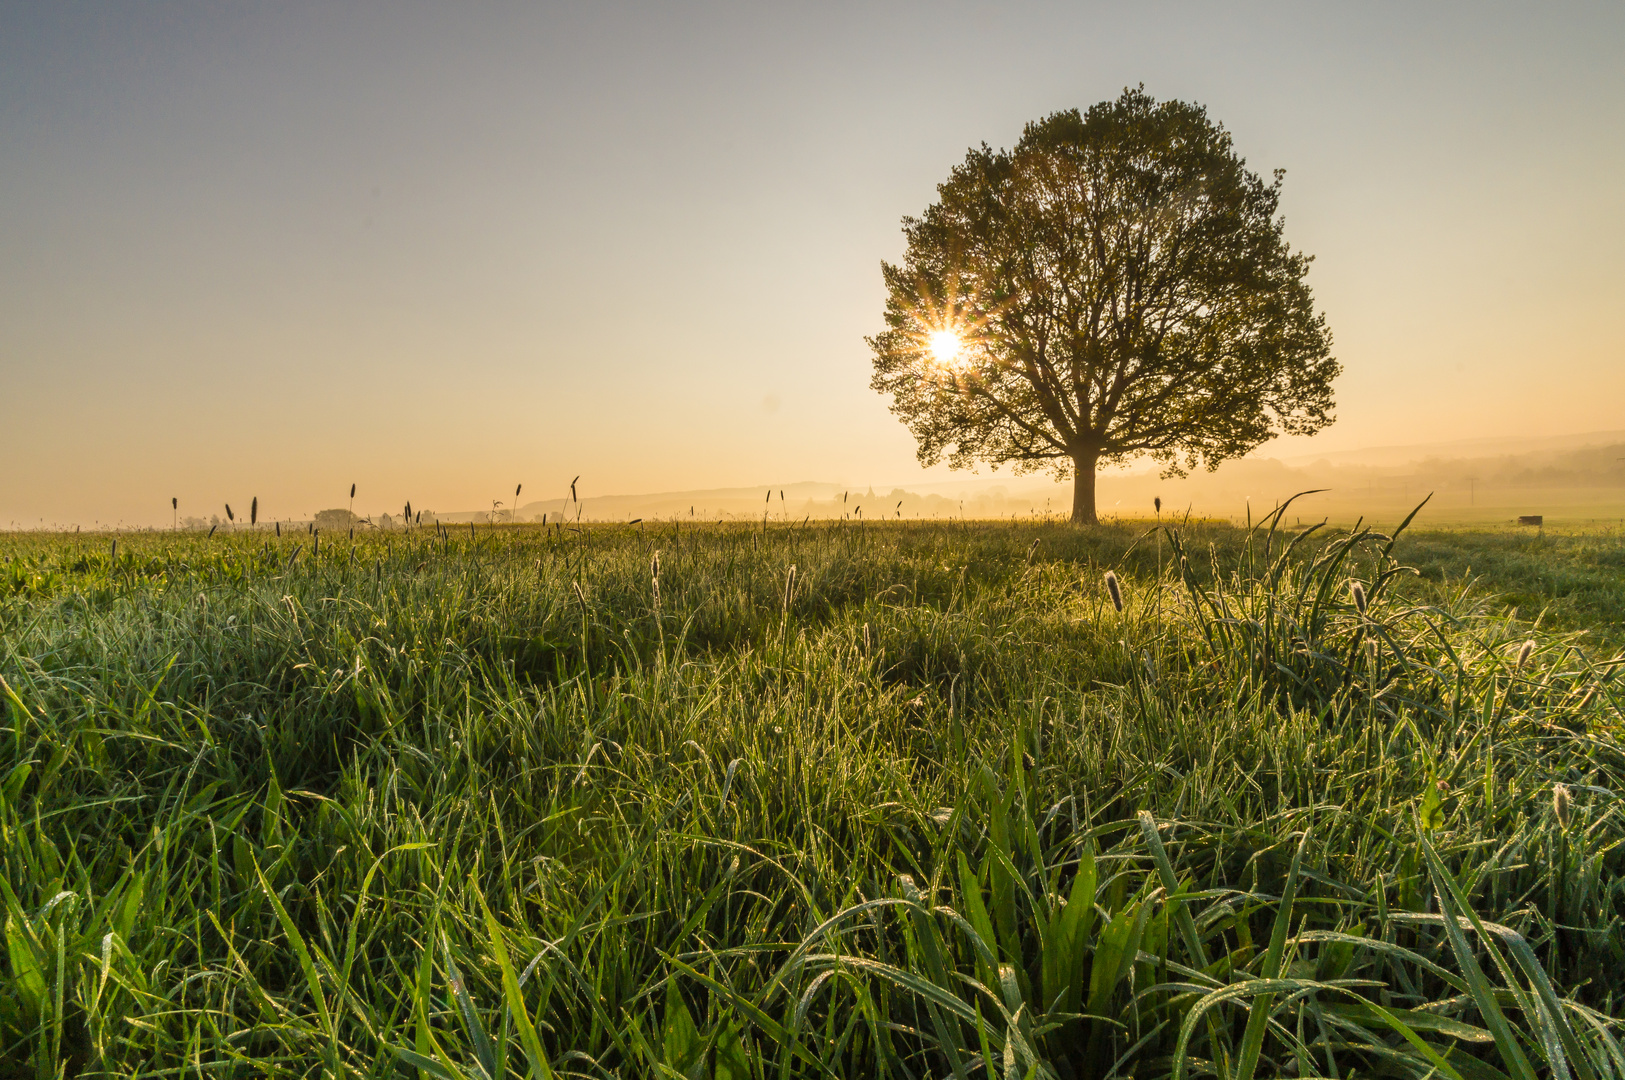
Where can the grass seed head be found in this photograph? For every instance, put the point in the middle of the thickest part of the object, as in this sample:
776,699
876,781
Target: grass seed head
1524,653
1560,804
1115,589
254,511
1358,591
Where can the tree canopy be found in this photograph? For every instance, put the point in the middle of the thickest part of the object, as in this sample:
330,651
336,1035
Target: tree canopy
1117,285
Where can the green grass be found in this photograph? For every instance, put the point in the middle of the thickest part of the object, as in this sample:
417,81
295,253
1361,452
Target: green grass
837,800
1571,579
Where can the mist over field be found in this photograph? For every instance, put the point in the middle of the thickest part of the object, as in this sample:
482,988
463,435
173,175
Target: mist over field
1570,479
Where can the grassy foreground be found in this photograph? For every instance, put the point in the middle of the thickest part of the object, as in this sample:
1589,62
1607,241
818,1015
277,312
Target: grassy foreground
832,800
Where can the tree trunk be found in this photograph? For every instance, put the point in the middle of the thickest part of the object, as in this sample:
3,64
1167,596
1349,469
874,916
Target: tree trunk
1083,488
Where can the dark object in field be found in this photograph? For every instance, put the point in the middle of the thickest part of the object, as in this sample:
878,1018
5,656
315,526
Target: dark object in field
1530,519
254,511
212,528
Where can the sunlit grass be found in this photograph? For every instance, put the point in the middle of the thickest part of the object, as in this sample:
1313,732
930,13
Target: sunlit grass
839,799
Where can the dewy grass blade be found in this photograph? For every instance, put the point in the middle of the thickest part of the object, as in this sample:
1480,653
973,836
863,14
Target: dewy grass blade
1506,1041
306,964
1252,1041
425,1040
426,1064
1115,949
970,889
1170,883
1406,1032
784,1035
927,940
1552,1013
1546,1008
485,1055
539,1068
1296,986
1063,966
360,902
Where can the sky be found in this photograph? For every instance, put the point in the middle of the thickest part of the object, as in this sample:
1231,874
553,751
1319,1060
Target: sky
440,250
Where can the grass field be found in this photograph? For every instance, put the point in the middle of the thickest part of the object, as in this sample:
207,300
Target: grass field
836,800
1571,579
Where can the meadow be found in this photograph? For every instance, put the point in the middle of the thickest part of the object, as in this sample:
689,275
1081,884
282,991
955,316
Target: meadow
829,799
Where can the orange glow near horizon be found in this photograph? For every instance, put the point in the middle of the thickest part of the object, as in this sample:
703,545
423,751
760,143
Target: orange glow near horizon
646,245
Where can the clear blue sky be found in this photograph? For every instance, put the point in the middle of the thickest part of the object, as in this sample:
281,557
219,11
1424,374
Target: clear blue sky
439,250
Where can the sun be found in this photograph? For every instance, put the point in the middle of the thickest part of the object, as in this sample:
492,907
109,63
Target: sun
946,347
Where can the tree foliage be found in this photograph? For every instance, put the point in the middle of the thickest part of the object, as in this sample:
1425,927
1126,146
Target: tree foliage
1121,287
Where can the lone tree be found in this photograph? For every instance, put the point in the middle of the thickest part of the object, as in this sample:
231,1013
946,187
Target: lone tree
1115,286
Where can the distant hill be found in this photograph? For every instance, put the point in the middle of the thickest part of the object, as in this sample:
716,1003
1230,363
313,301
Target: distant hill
1579,476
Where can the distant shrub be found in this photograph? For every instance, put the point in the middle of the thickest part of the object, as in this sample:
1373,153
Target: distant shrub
335,519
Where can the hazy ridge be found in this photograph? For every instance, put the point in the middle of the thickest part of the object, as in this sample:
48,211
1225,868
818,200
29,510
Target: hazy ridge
1575,476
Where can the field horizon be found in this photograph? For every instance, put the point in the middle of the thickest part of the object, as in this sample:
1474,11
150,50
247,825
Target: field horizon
1569,481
